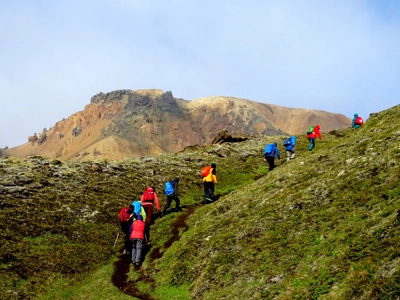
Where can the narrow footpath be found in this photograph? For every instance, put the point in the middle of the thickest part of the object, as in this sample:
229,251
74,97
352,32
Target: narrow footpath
122,265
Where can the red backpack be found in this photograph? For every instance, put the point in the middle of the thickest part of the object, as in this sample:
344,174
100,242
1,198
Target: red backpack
148,194
125,214
359,121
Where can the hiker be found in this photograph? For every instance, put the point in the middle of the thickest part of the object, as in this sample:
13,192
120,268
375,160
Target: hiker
137,237
148,199
357,121
208,182
138,209
125,221
289,143
171,191
270,151
312,133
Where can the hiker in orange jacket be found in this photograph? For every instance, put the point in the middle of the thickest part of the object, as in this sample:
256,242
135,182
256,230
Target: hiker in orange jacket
209,182
148,199
312,135
137,237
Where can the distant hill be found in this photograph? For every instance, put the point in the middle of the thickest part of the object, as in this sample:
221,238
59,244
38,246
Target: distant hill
127,123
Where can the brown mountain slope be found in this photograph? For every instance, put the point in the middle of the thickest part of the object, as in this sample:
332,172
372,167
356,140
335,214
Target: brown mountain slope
135,123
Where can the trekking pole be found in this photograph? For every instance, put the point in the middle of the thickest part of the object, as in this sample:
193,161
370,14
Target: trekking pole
116,239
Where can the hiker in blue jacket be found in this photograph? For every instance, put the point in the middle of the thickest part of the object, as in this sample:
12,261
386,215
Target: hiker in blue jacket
172,196
270,151
289,143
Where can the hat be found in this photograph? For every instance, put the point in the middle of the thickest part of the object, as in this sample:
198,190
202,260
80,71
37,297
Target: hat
213,165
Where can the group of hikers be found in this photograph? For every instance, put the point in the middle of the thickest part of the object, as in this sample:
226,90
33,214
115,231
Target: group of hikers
271,150
135,220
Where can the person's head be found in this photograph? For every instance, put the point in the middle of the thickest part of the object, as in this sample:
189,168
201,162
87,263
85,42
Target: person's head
275,144
356,115
177,179
213,165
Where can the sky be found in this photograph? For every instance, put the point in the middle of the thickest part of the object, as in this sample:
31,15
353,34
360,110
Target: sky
338,56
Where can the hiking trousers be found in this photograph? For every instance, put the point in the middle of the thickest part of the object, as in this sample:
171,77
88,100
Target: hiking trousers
137,245
271,162
168,204
208,189
290,154
312,144
125,229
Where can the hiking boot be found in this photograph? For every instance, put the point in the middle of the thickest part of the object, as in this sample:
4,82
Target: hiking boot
125,252
137,263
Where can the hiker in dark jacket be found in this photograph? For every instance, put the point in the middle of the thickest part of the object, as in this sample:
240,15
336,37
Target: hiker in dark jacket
270,151
208,182
125,218
173,196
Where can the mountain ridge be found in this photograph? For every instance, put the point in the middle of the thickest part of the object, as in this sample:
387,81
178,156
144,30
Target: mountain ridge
152,121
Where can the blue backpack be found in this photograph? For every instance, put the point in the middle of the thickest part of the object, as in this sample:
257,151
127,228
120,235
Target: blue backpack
287,142
169,189
269,149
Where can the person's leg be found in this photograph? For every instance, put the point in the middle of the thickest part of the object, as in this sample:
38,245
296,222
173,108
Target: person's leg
311,144
147,232
127,242
271,162
167,205
177,202
288,155
293,154
212,189
134,243
205,191
139,244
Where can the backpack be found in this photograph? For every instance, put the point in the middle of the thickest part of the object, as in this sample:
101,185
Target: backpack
287,142
136,206
205,171
359,121
148,194
169,189
125,214
310,130
269,149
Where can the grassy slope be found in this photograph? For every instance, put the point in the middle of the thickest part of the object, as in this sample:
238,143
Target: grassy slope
324,226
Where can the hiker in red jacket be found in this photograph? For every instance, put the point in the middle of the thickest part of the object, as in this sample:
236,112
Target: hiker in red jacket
148,199
312,134
137,237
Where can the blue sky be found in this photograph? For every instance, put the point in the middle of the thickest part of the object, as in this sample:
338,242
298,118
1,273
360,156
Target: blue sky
338,56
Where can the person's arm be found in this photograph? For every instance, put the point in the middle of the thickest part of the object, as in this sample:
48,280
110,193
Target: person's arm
157,202
277,153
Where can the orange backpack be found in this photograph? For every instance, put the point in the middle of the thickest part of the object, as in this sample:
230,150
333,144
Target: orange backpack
205,171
